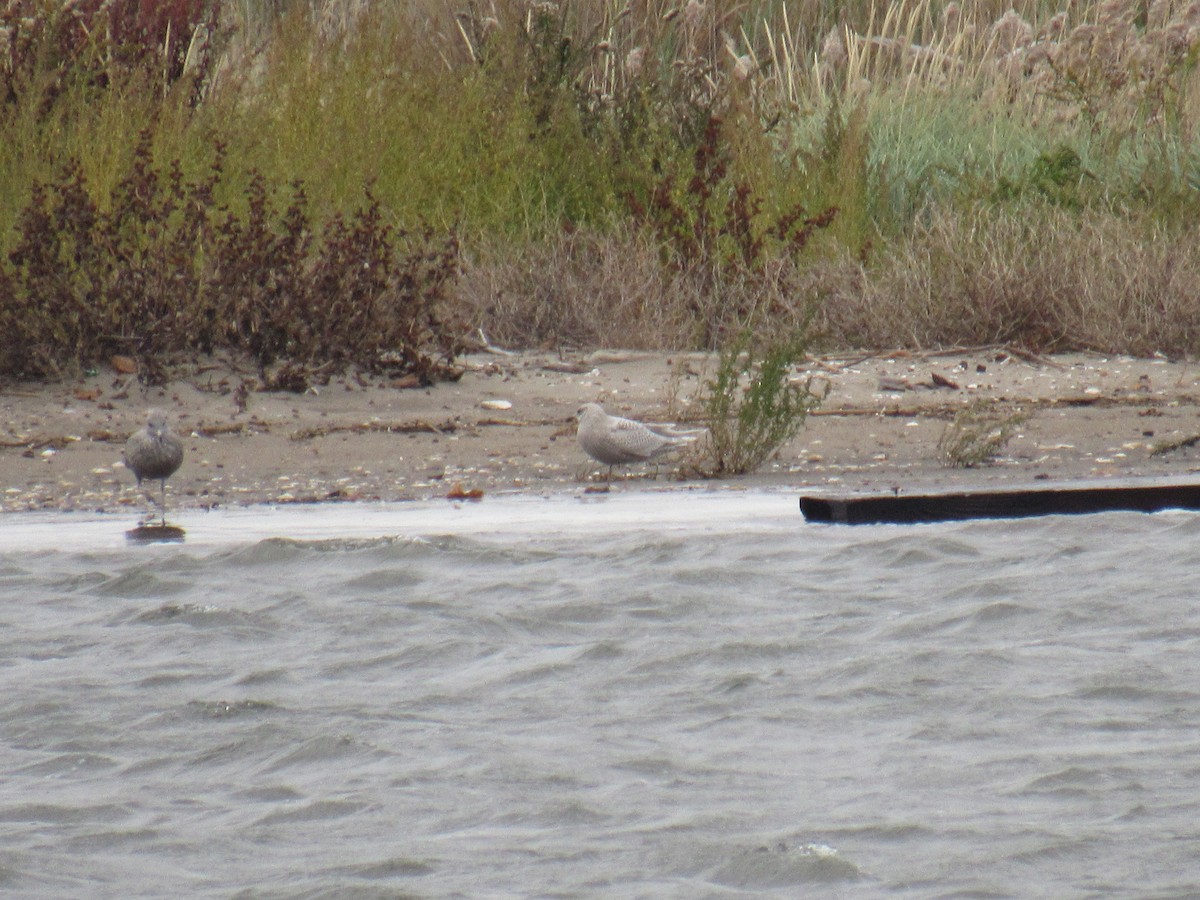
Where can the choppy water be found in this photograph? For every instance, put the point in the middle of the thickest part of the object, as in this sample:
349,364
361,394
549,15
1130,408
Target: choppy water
654,695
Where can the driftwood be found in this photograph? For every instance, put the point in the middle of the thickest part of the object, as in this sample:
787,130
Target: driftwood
1134,495
418,426
56,442
1164,447
415,426
1016,352
946,410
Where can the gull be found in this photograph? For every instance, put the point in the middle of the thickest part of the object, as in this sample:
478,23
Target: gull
615,441
154,452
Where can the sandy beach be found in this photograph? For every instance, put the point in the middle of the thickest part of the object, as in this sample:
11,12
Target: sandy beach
508,425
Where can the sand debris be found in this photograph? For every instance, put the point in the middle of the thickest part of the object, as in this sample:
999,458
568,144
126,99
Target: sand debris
449,426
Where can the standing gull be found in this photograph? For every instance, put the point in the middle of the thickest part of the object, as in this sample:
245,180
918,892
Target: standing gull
615,441
154,452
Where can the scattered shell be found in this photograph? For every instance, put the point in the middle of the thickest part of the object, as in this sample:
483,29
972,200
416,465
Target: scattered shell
496,404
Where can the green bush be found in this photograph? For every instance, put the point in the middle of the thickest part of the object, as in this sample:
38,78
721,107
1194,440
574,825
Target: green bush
752,407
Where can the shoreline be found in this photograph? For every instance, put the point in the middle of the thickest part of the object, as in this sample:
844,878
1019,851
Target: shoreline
507,426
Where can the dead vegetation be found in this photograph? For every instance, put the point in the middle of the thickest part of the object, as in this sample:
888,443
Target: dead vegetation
166,272
991,277
976,434
1050,282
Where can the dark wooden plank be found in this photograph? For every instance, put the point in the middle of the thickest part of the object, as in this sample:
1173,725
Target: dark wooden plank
1002,503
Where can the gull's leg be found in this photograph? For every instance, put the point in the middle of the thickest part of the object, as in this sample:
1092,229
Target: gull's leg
163,506
149,495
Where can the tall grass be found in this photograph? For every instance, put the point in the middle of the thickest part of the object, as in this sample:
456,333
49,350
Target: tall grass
461,147
967,151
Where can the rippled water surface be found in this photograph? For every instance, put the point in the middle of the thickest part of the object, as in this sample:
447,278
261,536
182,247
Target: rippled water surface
676,695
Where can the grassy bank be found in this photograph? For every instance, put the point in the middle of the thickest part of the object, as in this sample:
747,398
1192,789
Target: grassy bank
217,174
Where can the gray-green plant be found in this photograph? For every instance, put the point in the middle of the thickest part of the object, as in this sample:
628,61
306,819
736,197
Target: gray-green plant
976,434
753,405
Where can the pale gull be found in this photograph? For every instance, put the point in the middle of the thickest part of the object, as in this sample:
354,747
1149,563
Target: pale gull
615,441
154,452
